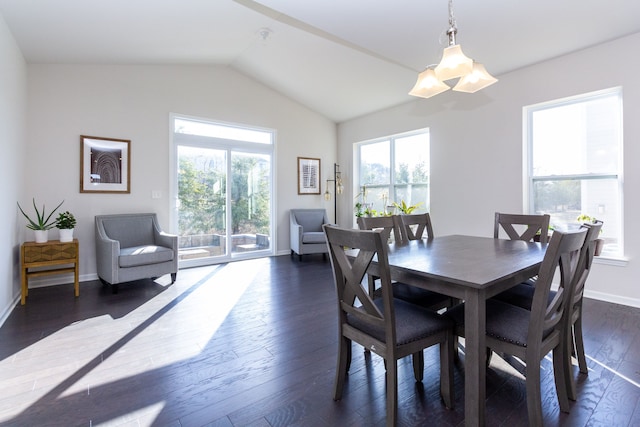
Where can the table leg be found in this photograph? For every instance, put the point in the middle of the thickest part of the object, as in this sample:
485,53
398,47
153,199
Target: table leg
475,357
76,279
24,289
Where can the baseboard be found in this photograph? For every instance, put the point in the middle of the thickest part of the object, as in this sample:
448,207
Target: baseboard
615,299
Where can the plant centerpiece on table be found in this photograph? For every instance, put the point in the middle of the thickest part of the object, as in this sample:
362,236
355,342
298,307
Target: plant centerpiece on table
65,223
42,223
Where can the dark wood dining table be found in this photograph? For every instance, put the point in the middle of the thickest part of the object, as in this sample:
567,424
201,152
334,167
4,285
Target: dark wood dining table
472,269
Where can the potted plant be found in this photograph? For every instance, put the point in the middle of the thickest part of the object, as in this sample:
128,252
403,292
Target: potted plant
406,209
584,218
42,223
66,222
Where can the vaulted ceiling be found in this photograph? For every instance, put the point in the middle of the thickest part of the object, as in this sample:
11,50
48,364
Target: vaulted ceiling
341,58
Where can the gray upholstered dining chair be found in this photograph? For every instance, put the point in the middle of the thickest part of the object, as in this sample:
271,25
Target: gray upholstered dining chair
386,326
522,296
531,334
522,227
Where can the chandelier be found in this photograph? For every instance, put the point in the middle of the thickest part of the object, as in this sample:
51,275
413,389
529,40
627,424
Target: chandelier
453,65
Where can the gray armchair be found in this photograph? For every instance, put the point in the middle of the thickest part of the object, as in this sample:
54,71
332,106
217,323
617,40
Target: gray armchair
306,234
132,247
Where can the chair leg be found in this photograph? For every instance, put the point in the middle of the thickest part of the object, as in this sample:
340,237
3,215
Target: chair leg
418,365
534,399
344,354
392,392
561,375
580,354
446,370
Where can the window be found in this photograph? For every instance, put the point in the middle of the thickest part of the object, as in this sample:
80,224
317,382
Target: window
393,169
574,162
223,191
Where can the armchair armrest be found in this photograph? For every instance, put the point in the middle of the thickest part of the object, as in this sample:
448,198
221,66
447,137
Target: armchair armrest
107,253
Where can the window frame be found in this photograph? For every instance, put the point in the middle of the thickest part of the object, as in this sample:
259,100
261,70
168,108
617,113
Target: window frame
229,145
357,162
529,179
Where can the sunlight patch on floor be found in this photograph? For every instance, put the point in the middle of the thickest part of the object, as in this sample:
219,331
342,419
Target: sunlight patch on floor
140,417
614,372
120,349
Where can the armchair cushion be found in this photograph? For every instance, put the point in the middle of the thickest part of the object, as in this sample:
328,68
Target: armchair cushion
313,237
144,255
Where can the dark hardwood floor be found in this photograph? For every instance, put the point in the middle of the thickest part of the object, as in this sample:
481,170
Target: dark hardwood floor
254,343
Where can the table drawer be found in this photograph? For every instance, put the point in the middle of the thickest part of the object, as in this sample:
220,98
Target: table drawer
53,252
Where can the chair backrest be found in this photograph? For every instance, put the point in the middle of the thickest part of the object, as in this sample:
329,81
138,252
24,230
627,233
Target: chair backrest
129,229
386,224
311,220
353,298
584,268
532,224
564,252
414,226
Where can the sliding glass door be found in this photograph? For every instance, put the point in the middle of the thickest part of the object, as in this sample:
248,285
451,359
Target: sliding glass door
223,194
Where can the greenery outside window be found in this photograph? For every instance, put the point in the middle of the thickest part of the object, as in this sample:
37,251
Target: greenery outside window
223,191
392,169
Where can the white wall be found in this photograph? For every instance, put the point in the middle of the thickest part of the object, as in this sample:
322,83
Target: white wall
13,104
476,147
134,102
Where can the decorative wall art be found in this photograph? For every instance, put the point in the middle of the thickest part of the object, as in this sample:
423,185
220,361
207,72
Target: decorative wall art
104,165
308,175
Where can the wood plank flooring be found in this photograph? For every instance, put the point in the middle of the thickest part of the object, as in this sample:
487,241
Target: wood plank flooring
254,343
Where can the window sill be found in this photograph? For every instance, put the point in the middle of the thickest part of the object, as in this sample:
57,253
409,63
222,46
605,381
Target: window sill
610,260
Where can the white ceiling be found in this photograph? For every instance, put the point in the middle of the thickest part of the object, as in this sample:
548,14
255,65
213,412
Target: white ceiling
341,58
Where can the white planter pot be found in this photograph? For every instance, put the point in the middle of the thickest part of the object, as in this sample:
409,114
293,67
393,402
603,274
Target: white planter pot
42,236
66,234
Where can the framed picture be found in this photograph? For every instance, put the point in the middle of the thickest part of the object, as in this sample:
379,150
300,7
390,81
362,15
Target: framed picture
308,175
105,165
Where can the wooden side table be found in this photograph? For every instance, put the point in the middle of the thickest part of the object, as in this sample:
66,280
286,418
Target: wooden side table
50,254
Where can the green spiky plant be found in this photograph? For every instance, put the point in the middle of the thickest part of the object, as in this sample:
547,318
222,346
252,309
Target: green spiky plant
42,222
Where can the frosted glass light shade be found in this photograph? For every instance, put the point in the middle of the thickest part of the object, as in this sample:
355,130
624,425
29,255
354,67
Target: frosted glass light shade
477,79
428,85
453,64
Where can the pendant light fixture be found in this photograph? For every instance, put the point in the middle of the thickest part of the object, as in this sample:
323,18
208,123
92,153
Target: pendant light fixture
454,64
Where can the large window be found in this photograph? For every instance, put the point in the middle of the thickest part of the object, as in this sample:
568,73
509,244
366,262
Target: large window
393,169
223,191
575,162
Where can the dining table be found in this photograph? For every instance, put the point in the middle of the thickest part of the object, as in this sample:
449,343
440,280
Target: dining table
471,269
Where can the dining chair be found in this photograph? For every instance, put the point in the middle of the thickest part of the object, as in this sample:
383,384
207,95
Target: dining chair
522,296
388,327
522,227
416,227
531,334
386,225
396,224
